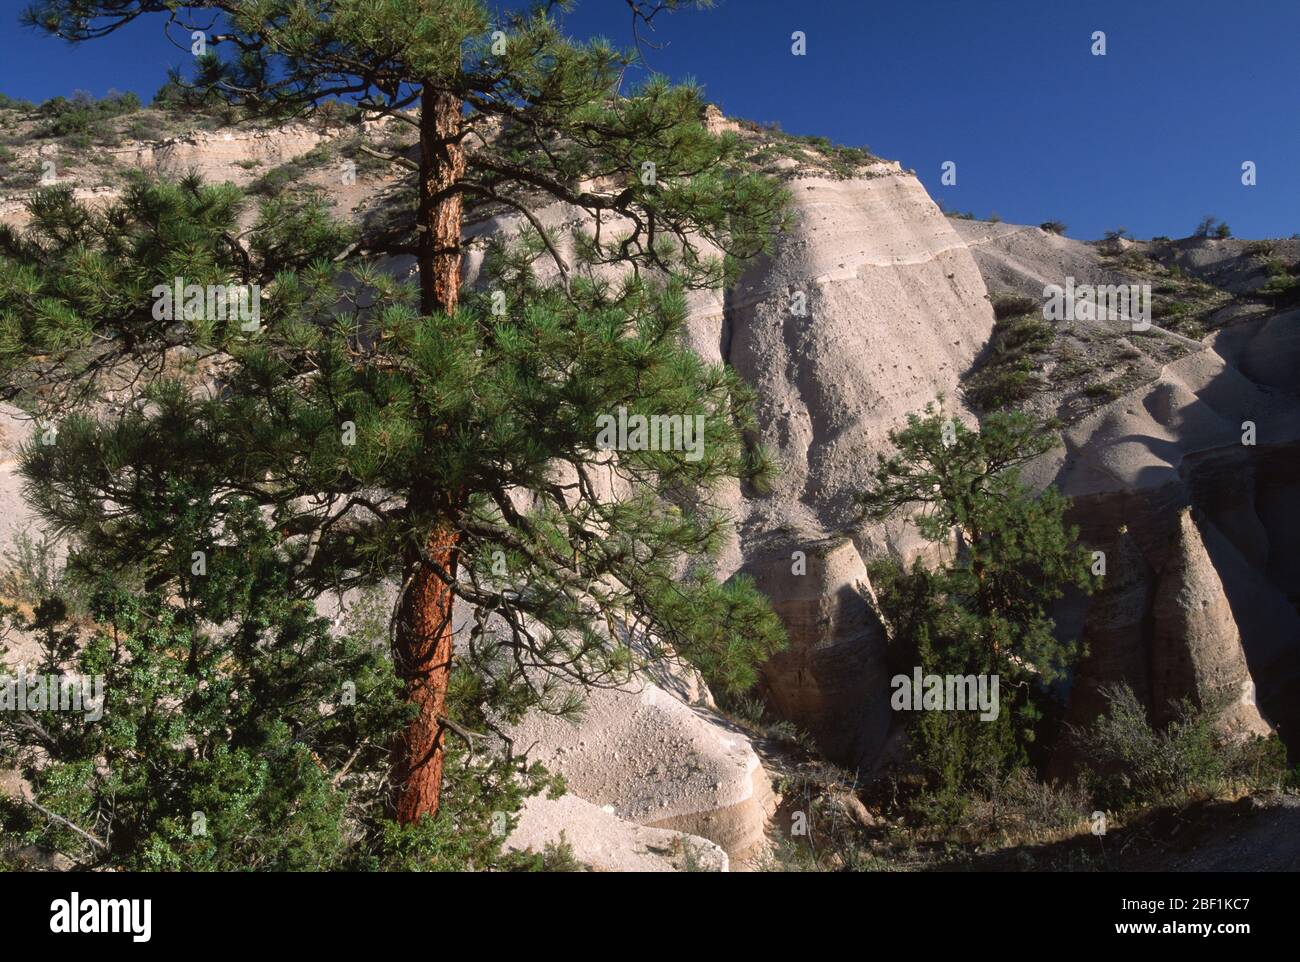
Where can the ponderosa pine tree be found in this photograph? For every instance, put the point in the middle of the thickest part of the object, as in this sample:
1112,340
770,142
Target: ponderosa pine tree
441,442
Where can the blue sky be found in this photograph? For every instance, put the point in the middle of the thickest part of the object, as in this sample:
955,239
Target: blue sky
1150,137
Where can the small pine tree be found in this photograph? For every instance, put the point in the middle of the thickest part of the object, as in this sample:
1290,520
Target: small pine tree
984,611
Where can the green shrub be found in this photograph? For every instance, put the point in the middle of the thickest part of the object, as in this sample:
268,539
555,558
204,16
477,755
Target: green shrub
1009,372
276,180
368,164
1103,390
273,182
1283,290
205,762
33,572
1162,309
1130,763
1009,304
22,177
83,116
146,128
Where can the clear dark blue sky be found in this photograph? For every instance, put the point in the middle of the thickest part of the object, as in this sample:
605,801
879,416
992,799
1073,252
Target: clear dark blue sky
1151,136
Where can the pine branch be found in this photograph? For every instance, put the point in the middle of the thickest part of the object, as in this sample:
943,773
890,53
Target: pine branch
55,817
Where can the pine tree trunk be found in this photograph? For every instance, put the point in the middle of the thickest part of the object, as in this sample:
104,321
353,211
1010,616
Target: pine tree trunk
422,654
442,165
422,646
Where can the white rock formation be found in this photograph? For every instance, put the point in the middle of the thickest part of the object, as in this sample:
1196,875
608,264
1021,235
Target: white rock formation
604,842
654,759
1196,647
239,156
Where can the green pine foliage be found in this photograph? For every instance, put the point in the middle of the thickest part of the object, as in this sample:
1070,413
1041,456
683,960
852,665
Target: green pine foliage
258,745
504,401
1007,556
545,112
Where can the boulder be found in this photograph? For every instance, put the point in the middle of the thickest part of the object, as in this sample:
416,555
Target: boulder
604,842
656,760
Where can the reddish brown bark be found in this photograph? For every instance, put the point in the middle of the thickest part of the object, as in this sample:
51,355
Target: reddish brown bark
442,165
423,653
422,645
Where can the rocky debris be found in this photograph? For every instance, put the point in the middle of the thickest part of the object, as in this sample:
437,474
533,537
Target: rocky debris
1081,362
603,842
1259,833
1230,264
1023,259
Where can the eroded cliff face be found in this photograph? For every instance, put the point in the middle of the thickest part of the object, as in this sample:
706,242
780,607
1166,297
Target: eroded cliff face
833,679
1199,599
893,311
869,309
1184,482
